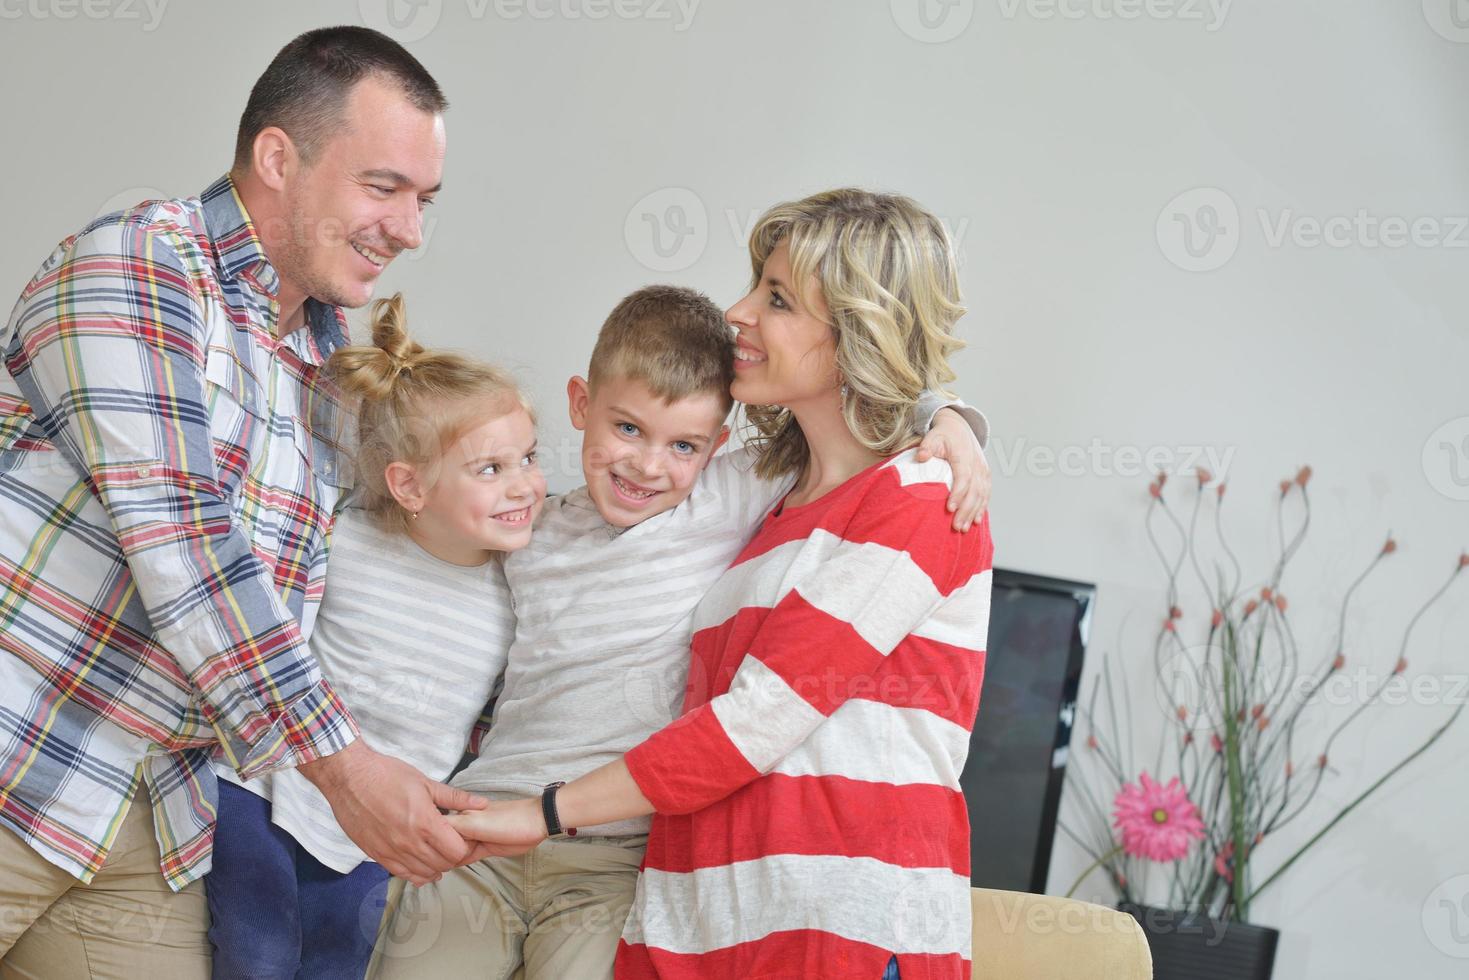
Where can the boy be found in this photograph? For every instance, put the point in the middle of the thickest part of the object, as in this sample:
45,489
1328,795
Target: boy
604,598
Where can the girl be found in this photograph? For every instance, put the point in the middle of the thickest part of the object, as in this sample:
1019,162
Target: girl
413,631
808,816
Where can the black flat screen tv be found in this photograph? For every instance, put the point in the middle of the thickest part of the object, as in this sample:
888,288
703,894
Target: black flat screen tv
1017,753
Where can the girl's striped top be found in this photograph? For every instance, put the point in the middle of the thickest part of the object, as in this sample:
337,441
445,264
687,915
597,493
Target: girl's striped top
810,821
414,645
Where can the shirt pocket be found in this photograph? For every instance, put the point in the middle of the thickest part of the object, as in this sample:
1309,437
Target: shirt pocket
238,420
324,454
301,504
324,463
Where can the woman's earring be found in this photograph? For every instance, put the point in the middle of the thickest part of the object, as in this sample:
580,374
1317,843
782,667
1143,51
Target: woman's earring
846,391
415,514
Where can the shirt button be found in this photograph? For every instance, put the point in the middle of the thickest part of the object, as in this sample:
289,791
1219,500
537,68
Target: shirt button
145,471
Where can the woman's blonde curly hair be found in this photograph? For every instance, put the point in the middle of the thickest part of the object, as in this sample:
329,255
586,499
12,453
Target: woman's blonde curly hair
887,271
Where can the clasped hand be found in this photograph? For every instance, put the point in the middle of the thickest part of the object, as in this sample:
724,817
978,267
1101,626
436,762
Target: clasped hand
392,811
501,829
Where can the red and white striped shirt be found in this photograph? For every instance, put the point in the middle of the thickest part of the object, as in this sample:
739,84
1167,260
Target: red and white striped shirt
810,821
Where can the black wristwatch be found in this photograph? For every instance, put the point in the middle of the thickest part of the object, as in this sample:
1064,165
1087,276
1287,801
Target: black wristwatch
548,810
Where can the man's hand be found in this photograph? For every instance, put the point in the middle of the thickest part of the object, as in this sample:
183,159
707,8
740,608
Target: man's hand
952,440
502,829
391,811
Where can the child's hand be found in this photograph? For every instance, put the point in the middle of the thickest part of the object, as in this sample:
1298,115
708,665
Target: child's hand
952,440
501,829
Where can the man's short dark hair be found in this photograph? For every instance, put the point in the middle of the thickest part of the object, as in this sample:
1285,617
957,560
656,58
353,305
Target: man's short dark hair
304,90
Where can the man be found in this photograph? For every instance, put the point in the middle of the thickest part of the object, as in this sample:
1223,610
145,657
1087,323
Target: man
168,470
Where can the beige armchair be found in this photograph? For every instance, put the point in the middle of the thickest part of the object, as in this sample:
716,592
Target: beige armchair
1018,936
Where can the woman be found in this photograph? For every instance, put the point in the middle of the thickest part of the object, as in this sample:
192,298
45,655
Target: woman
809,818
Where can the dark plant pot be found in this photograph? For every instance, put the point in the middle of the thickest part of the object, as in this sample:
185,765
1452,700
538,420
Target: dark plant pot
1190,946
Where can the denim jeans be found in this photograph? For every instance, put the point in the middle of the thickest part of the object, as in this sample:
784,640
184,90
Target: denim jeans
276,912
891,973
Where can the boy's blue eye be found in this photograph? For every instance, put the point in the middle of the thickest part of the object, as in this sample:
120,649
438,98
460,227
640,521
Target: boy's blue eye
686,448
627,428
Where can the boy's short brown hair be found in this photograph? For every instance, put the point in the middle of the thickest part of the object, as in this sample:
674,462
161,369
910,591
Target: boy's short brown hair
672,339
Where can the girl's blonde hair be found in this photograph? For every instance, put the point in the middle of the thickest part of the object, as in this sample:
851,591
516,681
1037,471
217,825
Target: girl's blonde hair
413,403
887,270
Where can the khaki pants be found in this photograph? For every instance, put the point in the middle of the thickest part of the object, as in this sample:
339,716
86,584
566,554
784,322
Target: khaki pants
126,924
557,910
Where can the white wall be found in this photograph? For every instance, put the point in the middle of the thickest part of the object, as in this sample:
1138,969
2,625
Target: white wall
1052,145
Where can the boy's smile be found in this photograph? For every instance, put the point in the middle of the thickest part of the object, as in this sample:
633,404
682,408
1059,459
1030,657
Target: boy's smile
633,493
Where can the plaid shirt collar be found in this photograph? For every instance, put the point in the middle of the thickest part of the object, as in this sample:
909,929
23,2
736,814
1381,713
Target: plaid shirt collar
240,255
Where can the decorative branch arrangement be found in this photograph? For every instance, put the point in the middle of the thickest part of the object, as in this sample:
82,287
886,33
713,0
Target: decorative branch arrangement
1235,684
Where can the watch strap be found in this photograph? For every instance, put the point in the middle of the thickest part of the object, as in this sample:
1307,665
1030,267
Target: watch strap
548,811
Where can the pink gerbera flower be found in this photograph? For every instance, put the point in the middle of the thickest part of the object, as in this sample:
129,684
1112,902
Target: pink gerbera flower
1157,822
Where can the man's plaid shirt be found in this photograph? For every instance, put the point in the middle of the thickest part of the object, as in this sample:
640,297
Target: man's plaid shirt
168,472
